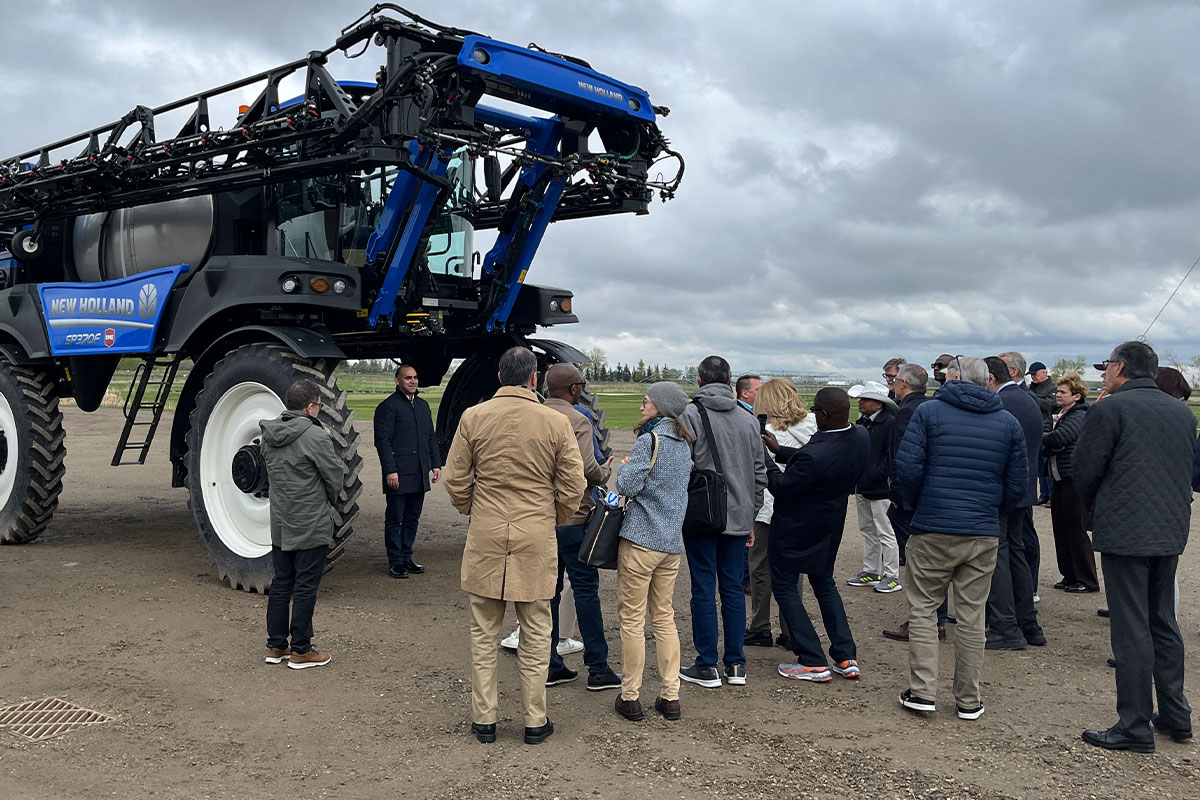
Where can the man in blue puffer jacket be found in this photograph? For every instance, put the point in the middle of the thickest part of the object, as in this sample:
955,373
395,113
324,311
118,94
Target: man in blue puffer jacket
961,464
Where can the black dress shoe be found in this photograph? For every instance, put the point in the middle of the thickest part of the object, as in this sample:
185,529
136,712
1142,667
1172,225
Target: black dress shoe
1078,588
484,733
759,638
398,572
1178,734
539,734
1113,739
415,568
1061,585
783,641
1102,612
1112,662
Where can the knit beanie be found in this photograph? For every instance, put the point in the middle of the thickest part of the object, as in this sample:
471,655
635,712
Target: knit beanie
668,398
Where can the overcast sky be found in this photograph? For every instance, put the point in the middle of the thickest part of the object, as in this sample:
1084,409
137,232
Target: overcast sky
864,179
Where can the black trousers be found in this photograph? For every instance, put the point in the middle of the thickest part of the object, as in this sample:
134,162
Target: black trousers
1010,608
1145,642
400,526
1072,546
297,576
804,642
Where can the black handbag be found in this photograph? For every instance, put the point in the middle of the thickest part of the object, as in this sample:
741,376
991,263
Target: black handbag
708,498
602,528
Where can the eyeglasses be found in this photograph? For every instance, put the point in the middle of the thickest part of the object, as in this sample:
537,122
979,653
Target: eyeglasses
938,365
1103,365
890,376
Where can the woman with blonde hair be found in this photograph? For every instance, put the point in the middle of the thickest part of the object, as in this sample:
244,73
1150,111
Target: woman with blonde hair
787,417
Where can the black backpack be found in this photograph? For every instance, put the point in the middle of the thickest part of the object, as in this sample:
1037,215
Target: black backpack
708,498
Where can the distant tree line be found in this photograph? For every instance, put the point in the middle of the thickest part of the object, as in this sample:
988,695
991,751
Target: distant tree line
598,370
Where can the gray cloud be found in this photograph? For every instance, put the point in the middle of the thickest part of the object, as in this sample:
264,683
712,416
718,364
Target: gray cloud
862,180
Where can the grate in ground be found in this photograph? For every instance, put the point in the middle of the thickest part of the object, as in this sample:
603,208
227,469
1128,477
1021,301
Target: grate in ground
37,720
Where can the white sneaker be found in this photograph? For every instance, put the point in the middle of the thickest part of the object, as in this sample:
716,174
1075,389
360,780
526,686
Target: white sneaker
511,641
568,646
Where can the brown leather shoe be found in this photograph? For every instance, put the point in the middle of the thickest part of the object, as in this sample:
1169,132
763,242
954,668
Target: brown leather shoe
668,708
277,655
310,659
630,709
901,634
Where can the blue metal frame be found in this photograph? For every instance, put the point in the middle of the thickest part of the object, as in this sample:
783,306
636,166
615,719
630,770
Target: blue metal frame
423,206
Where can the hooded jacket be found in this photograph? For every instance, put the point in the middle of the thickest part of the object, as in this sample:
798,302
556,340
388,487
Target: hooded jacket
306,475
962,462
739,443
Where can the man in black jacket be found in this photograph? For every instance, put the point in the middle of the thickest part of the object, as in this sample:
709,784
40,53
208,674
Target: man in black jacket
881,556
1132,466
1043,389
1011,615
911,385
409,456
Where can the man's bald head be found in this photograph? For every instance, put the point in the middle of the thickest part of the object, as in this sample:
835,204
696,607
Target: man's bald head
835,405
565,382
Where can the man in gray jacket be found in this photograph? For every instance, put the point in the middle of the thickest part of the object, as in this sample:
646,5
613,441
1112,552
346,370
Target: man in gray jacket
305,476
1133,467
721,557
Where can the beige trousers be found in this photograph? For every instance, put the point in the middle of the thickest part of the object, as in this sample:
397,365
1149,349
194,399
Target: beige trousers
646,581
533,657
935,561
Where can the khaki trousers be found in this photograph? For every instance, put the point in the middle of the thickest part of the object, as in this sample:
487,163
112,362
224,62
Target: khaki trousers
533,657
646,580
935,561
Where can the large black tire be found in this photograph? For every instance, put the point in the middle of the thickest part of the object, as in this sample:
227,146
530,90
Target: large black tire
474,381
33,452
245,386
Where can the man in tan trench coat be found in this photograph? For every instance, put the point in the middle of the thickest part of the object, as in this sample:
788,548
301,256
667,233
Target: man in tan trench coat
515,468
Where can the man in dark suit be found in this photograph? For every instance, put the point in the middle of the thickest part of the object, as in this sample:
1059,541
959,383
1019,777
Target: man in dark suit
410,459
1011,615
1132,466
806,530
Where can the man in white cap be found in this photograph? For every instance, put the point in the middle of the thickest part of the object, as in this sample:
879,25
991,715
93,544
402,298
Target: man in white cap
881,554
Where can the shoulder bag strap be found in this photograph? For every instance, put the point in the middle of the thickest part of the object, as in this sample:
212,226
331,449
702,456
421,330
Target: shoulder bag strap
653,449
712,441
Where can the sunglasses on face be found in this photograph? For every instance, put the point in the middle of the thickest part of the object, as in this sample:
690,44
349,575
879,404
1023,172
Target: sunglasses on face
1103,365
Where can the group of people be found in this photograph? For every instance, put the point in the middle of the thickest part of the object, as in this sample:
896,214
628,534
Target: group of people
944,487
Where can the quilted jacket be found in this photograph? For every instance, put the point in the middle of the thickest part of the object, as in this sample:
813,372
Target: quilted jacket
1133,466
1059,444
962,462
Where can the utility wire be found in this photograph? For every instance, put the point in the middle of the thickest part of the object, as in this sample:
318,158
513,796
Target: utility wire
1169,299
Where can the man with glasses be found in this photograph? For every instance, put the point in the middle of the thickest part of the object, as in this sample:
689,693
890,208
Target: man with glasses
890,368
939,367
1133,467
306,475
564,387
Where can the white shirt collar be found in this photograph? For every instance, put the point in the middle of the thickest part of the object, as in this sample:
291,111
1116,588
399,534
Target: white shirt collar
838,430
1005,386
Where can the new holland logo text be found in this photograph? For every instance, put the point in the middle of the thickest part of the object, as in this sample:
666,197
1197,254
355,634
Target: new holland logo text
92,307
600,90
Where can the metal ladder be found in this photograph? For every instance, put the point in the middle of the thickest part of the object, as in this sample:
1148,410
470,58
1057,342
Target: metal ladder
145,378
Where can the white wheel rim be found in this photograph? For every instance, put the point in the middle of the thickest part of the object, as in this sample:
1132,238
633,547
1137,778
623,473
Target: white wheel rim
8,471
241,521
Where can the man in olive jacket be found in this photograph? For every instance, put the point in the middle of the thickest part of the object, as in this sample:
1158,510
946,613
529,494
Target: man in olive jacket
1133,467
305,475
515,468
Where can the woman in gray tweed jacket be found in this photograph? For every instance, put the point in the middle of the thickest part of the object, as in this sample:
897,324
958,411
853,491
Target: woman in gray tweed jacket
654,479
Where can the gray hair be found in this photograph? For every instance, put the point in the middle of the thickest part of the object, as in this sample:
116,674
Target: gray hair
1139,359
1015,361
914,376
969,369
516,365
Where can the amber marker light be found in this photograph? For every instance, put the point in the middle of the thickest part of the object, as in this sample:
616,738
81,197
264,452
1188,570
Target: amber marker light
320,285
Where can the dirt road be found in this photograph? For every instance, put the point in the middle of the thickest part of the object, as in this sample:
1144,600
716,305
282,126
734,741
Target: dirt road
116,608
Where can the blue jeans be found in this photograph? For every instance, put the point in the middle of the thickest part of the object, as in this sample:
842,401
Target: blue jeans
400,526
716,559
585,584
297,576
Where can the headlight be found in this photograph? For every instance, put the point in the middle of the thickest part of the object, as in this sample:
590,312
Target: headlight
290,284
339,286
